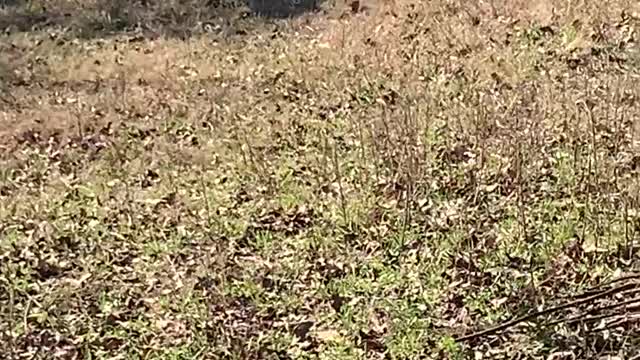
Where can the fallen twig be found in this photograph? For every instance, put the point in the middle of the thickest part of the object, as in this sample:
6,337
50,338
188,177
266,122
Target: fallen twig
622,319
611,282
584,318
550,310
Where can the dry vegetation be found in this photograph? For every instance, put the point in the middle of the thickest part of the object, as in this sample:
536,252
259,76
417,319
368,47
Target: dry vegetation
184,181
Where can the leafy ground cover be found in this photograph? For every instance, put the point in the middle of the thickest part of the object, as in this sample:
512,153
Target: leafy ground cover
371,181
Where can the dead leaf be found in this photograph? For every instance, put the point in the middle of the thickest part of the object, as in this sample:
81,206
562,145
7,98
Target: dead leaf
328,335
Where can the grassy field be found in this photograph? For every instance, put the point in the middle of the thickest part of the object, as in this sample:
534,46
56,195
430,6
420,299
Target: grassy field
180,181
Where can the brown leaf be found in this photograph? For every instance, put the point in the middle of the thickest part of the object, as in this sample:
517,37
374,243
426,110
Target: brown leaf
328,335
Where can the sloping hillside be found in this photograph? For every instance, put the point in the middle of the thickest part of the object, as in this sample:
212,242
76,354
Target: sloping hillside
185,181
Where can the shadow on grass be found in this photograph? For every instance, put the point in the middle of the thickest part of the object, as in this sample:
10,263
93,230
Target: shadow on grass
282,8
172,18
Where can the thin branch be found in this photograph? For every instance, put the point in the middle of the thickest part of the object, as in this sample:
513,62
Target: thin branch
550,310
611,282
622,319
583,316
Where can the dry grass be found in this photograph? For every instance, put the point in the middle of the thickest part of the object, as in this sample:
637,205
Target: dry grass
180,181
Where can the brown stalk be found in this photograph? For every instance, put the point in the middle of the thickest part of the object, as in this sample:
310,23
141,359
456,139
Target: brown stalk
375,152
409,158
207,205
336,168
325,156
